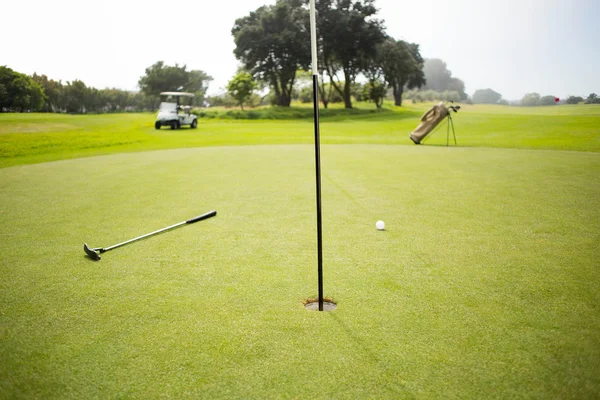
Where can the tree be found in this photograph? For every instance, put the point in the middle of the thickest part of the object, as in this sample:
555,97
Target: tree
531,100
6,78
3,96
457,85
437,75
197,83
53,91
19,91
348,35
439,78
241,87
273,42
574,100
164,78
374,91
401,65
486,96
592,99
75,96
548,101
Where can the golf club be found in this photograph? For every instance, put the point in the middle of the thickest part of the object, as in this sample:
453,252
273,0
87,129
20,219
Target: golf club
94,253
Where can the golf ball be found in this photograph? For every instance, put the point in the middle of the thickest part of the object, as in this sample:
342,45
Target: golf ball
380,225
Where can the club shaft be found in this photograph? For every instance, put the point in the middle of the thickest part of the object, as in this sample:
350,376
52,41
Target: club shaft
144,236
189,221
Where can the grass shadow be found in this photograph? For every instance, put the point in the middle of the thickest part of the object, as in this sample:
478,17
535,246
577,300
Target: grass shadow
393,385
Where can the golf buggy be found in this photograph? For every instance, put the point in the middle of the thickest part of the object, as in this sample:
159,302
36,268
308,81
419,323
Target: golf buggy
172,113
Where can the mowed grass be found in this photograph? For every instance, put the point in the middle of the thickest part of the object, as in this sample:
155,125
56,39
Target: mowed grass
485,283
35,138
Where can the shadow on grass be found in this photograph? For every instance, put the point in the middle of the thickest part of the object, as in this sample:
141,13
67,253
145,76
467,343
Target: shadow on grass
390,376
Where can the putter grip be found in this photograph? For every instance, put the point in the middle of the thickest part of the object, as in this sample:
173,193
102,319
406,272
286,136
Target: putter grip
201,217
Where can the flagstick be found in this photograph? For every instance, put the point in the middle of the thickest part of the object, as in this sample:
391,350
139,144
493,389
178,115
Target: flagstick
313,40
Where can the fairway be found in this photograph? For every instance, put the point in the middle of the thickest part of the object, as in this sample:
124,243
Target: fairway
485,283
36,138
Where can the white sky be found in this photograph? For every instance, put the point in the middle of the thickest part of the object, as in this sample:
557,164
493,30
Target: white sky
512,46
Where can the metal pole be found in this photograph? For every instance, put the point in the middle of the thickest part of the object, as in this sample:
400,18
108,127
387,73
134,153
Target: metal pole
448,128
313,42
453,132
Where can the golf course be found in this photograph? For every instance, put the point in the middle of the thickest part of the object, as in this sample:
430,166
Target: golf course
484,284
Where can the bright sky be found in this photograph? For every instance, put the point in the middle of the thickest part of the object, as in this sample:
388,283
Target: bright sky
512,46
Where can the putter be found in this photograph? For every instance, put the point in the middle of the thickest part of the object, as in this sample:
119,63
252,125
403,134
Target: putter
94,253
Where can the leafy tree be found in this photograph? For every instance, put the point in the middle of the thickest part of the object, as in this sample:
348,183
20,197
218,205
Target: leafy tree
3,96
6,78
273,43
402,66
592,99
574,100
348,35
457,85
439,78
197,83
437,75
531,100
548,101
486,96
374,91
164,78
19,91
75,96
325,89
52,90
241,87
305,95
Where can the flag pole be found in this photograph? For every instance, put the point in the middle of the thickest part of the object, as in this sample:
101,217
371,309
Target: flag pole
315,71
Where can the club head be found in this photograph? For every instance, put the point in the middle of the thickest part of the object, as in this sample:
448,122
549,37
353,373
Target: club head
91,253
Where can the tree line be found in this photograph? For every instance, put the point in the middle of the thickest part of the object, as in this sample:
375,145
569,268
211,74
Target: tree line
38,93
20,92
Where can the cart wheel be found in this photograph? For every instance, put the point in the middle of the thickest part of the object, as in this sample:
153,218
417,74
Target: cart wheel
194,124
157,125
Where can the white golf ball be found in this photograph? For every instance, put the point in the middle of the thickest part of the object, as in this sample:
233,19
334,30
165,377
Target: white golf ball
380,225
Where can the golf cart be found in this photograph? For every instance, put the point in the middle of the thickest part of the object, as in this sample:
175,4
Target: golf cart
172,113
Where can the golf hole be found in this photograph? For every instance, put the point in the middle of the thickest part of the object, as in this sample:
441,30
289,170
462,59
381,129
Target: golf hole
313,304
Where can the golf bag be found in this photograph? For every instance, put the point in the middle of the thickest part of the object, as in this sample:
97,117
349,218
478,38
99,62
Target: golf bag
429,121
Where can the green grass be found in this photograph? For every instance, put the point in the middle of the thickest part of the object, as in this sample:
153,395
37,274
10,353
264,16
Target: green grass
34,138
485,283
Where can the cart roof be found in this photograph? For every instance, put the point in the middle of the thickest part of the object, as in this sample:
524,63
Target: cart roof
177,94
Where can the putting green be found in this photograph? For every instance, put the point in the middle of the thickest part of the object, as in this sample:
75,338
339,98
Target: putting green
485,282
